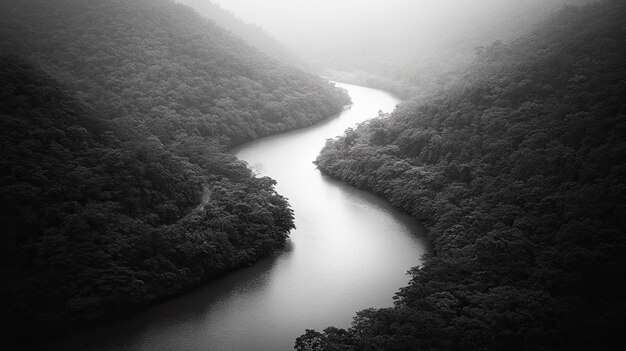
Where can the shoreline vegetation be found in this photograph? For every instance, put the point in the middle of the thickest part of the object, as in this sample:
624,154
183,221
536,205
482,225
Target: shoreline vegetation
116,119
518,174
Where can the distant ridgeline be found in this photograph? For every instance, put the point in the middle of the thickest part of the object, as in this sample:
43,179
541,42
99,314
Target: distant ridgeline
413,58
252,34
519,173
115,185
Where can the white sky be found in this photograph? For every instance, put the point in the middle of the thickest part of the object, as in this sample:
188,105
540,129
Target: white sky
289,20
285,18
318,27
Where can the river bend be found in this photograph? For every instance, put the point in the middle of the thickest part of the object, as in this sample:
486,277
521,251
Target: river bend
350,251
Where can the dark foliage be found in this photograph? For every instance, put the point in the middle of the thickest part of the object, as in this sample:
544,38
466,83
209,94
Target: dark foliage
519,174
115,186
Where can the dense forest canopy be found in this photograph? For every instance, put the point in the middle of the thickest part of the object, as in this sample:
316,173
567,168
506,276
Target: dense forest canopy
518,172
150,62
115,186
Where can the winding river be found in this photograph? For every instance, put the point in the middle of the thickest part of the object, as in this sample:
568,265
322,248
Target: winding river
350,251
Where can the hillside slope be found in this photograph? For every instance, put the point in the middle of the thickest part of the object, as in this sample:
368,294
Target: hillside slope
519,174
252,34
425,47
116,118
152,62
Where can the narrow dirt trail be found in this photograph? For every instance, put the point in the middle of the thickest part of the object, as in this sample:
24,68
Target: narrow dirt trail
206,197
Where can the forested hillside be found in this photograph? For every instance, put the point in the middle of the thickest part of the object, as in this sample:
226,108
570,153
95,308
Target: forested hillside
416,54
252,34
115,186
161,67
519,174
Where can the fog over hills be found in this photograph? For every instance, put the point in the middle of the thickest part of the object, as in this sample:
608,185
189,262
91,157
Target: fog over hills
252,34
321,28
402,41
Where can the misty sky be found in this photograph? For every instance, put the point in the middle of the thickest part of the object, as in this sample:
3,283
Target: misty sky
360,27
293,20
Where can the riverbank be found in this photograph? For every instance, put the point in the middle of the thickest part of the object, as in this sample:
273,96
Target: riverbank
350,250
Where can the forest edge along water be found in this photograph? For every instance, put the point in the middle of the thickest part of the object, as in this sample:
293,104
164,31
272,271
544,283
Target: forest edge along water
350,251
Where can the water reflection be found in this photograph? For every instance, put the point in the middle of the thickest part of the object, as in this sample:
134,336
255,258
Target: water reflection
182,323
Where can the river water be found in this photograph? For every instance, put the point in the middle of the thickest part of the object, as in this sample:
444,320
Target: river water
350,251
